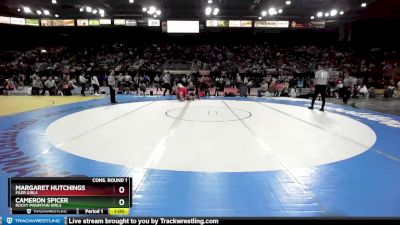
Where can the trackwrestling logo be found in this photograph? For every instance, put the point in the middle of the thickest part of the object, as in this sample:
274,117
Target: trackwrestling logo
30,220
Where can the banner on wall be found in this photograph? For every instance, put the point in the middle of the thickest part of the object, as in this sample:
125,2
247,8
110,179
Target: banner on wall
212,23
57,23
132,23
105,21
119,22
153,23
246,23
82,22
5,19
318,24
260,23
234,23
271,24
69,23
94,22
223,23
312,24
277,24
240,23
17,21
32,22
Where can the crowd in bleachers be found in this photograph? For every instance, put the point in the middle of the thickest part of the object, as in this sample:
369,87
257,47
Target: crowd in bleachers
270,68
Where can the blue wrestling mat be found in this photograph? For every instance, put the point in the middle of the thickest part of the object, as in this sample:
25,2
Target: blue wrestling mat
366,184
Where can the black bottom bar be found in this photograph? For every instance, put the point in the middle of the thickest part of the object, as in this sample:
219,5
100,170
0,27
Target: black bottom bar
219,221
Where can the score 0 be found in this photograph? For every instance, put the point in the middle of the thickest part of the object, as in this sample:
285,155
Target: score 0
121,191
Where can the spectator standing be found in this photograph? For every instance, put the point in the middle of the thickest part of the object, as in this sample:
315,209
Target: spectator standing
67,86
120,79
111,85
157,82
50,85
249,86
167,83
238,80
82,81
245,80
320,81
37,85
127,83
95,84
348,84
9,85
136,82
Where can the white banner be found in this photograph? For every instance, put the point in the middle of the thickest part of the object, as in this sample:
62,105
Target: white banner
174,26
154,23
212,23
4,19
277,24
82,22
105,21
272,24
131,23
260,23
119,22
17,21
234,23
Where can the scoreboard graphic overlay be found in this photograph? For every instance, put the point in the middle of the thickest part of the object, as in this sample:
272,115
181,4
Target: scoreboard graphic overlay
98,195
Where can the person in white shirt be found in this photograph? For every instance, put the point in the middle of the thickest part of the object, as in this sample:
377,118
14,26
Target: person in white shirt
263,89
37,85
337,91
320,81
228,83
184,80
127,78
82,81
111,85
167,84
238,80
348,85
50,85
249,86
157,83
127,83
362,89
120,79
95,84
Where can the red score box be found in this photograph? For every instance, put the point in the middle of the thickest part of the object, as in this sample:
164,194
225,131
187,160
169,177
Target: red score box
114,190
69,187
